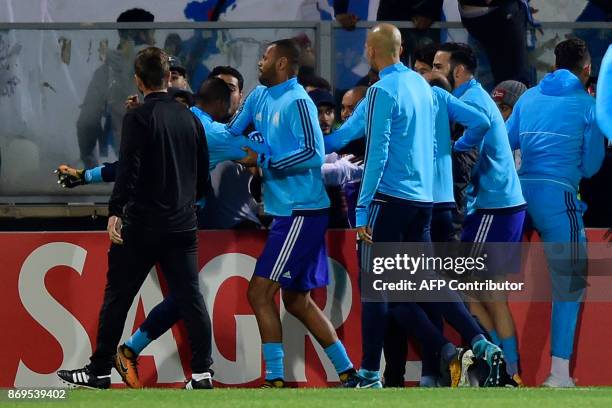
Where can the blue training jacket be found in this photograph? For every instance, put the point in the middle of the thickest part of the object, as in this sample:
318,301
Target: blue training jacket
604,95
495,184
554,125
288,120
449,109
222,146
400,144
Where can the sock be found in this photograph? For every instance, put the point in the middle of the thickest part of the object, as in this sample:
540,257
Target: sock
200,376
428,381
494,337
560,367
448,352
510,349
370,375
138,341
273,356
337,354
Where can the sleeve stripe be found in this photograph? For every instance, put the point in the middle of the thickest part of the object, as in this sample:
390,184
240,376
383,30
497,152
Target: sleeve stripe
369,121
308,135
309,150
368,130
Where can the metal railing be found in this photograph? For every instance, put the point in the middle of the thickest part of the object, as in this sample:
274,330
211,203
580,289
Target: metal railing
70,53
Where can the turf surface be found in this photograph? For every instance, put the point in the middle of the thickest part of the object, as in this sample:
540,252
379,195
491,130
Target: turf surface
336,398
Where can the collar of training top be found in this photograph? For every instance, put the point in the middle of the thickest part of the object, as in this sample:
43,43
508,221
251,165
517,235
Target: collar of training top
156,95
277,90
464,87
201,113
397,67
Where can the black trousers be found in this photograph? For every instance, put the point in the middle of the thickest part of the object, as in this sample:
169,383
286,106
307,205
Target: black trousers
396,339
128,266
502,34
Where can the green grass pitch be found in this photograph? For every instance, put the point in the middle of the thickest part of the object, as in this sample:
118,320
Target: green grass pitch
336,398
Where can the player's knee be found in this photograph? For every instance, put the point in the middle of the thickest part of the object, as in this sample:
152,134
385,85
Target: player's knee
259,293
295,304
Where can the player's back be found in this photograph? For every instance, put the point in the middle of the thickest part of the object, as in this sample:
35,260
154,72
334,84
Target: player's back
552,120
443,174
408,173
495,183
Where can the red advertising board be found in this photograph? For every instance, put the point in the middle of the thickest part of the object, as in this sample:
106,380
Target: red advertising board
51,289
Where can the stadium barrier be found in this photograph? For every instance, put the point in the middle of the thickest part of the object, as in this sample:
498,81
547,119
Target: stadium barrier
52,285
47,68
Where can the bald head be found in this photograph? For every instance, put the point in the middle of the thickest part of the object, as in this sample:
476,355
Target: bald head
386,39
384,45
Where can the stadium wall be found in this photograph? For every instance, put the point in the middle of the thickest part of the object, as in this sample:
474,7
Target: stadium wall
52,284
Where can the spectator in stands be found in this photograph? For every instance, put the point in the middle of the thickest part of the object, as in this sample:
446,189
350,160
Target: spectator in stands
596,10
370,79
422,13
326,106
423,58
336,170
233,78
500,27
173,44
311,82
110,85
506,94
307,57
178,75
231,204
350,100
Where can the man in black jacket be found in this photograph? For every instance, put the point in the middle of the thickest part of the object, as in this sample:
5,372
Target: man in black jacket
162,170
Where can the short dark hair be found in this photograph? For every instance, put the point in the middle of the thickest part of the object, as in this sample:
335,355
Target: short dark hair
461,54
572,54
214,90
360,90
152,66
227,70
425,54
289,49
134,15
183,94
314,81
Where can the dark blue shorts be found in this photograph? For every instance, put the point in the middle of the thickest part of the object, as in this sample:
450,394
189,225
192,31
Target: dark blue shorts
483,226
496,227
295,255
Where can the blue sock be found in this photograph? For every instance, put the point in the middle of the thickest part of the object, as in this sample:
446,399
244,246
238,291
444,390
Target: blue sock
510,349
494,337
138,341
273,356
370,375
337,354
